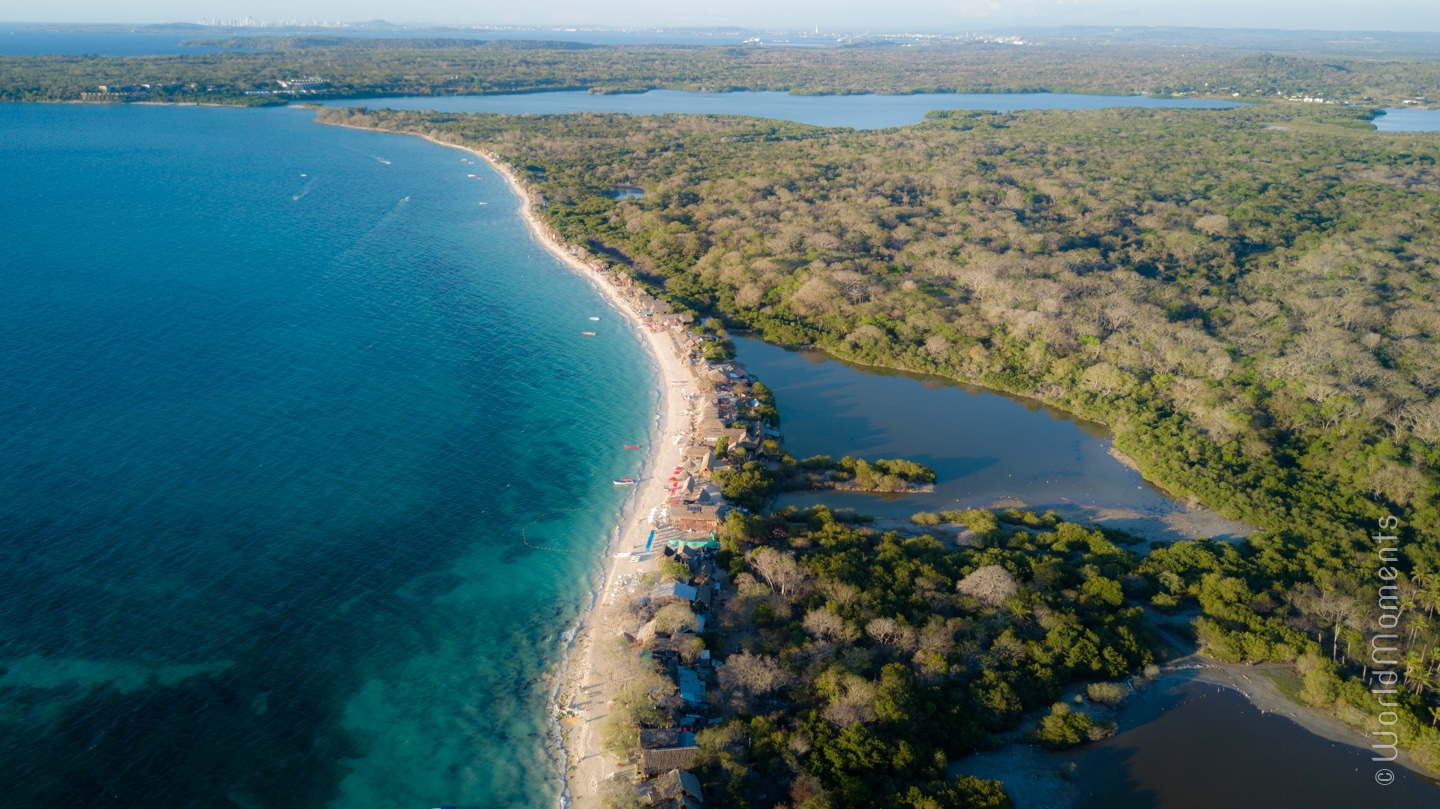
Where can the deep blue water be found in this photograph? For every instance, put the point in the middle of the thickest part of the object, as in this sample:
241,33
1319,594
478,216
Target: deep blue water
269,443
855,111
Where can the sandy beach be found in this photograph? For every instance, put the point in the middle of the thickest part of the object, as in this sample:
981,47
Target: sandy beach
586,683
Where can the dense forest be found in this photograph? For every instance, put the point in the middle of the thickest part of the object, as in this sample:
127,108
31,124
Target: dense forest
356,67
858,663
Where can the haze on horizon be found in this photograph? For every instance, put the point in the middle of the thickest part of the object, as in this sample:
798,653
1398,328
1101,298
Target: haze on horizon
836,15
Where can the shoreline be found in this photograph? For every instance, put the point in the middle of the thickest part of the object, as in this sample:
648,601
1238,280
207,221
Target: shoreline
577,667
579,674
574,742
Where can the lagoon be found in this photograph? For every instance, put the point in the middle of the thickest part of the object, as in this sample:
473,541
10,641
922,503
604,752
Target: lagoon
1189,744
1408,120
855,111
986,447
1196,745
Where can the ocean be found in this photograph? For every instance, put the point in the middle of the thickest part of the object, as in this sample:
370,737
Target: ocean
279,400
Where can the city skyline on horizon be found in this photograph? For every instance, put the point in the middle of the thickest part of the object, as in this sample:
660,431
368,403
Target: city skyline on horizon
842,16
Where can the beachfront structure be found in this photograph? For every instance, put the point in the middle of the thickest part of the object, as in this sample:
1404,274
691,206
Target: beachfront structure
701,456
667,592
692,685
700,517
677,789
655,762
660,738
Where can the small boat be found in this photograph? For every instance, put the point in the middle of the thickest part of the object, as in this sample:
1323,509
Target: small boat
632,446
484,203
594,318
624,482
469,175
587,334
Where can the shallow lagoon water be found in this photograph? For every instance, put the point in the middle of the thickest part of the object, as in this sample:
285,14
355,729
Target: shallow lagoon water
856,111
984,446
1197,745
1408,120
1189,744
278,399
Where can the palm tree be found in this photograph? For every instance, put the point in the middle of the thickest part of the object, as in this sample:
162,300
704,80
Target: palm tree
1424,680
1413,665
1427,594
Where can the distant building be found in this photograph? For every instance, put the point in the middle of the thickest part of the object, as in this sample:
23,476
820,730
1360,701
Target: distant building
309,84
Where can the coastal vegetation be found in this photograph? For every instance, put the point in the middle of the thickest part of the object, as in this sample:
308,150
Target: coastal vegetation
753,484
354,67
1277,599
859,662
1247,297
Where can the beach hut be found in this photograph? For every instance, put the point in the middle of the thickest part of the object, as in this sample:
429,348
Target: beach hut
668,592
659,738
677,788
655,762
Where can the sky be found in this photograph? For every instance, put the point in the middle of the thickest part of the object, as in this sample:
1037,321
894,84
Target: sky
834,15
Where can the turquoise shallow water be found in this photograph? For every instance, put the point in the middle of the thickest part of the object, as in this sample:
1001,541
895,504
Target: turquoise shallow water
269,443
